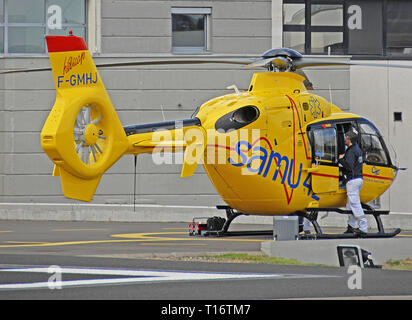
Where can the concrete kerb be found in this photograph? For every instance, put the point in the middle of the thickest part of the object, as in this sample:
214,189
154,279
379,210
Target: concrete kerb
116,212
325,251
103,212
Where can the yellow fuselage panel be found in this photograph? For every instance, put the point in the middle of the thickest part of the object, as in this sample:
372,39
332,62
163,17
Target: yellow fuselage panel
261,174
376,180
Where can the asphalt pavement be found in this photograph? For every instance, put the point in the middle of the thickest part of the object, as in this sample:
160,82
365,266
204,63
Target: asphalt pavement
126,261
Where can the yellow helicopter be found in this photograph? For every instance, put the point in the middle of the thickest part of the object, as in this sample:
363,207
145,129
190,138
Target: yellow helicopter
270,150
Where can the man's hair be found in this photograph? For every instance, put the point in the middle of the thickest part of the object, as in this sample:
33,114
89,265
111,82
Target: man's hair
352,136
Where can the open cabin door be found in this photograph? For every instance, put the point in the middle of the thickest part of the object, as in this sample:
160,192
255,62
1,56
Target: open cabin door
325,169
327,142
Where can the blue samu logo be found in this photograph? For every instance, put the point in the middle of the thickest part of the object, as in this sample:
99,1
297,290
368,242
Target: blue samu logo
265,164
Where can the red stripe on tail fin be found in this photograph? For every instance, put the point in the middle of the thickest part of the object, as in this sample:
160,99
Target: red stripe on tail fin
65,43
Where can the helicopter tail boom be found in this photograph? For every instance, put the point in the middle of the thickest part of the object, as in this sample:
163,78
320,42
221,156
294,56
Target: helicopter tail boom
186,136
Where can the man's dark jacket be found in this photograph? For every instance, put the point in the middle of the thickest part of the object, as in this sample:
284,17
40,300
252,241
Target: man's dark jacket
352,162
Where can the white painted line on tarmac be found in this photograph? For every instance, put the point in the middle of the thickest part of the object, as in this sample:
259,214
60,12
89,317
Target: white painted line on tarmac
56,277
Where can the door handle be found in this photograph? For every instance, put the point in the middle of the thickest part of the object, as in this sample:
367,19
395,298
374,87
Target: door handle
312,169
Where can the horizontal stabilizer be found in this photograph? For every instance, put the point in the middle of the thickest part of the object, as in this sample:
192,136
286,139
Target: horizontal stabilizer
56,171
77,188
193,154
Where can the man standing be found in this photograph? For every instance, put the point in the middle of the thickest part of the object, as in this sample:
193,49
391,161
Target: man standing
352,161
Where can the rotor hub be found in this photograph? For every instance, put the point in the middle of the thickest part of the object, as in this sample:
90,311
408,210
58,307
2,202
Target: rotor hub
91,134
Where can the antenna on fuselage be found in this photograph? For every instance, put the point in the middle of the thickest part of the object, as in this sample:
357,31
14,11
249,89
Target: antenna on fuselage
163,114
330,94
234,87
134,184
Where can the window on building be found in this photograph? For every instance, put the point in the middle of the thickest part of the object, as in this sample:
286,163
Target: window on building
356,27
23,23
399,28
190,30
294,15
1,27
314,27
365,27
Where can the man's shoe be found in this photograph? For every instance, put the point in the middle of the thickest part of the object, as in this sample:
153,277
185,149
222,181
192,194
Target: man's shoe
360,233
350,229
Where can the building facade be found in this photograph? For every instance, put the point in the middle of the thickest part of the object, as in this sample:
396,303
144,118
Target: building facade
120,30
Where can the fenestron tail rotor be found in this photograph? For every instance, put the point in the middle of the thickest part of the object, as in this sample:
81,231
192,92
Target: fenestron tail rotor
88,135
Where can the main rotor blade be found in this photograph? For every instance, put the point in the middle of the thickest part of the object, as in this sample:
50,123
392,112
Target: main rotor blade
238,61
25,70
316,62
280,62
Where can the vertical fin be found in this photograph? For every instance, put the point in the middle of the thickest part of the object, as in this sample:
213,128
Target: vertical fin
82,135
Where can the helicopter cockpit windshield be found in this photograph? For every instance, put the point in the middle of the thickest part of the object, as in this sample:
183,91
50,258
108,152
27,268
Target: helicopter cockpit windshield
372,144
328,141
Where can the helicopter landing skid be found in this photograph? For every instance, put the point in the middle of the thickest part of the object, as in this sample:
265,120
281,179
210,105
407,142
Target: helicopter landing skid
218,227
312,215
349,235
215,227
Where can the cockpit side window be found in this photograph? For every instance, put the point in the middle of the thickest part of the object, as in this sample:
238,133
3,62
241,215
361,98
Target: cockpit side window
371,144
323,142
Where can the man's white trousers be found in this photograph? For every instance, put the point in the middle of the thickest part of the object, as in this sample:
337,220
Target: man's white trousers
353,203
